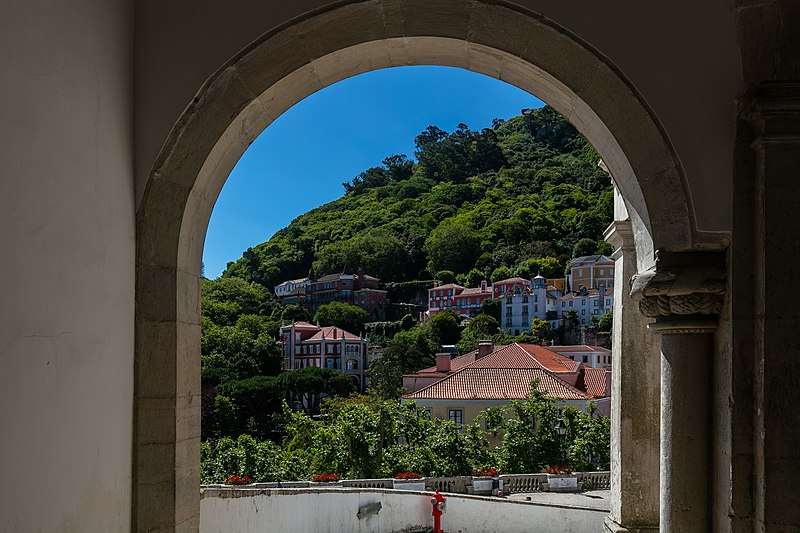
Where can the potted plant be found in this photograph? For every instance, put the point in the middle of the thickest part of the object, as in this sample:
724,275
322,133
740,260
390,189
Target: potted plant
409,481
483,481
327,479
238,480
560,479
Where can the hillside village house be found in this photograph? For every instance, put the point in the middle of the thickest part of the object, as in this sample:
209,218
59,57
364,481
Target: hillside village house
305,345
358,289
591,272
465,302
585,303
522,302
459,389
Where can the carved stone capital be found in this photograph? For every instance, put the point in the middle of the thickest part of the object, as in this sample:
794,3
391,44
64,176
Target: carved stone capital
681,286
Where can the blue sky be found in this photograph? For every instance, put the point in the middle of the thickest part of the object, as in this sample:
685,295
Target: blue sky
300,161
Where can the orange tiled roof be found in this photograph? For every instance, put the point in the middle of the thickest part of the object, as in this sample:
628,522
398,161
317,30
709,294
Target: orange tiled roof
578,348
330,331
471,383
303,325
595,382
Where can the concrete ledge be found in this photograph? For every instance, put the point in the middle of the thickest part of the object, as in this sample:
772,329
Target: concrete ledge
258,509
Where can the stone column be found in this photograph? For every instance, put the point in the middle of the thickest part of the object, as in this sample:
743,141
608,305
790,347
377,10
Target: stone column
684,295
634,399
776,120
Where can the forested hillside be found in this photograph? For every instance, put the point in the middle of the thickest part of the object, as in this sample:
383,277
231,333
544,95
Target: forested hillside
471,201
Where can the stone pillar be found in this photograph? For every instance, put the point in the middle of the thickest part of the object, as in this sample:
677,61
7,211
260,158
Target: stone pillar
684,294
776,119
634,399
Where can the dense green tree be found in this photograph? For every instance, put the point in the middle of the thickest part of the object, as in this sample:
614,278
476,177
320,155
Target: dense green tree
307,384
473,278
491,307
501,273
549,267
541,328
445,277
294,312
347,317
482,327
414,349
443,327
584,247
605,323
453,245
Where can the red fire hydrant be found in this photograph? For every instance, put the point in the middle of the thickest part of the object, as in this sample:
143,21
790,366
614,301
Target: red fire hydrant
439,504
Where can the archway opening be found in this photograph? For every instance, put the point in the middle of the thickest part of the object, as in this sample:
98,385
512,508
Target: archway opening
275,72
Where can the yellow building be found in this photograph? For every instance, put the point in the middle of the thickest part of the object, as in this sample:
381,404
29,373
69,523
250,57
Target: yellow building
591,272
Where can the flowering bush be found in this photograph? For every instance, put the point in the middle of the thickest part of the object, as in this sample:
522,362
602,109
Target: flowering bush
238,480
407,475
559,470
491,472
325,478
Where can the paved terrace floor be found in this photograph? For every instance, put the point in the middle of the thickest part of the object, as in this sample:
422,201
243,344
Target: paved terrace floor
590,499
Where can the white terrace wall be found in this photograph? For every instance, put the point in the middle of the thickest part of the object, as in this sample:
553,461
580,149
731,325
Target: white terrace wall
317,510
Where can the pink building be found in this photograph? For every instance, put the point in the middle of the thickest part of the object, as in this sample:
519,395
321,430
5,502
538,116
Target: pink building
305,345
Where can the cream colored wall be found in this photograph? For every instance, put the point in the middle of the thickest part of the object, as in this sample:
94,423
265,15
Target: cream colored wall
67,248
185,42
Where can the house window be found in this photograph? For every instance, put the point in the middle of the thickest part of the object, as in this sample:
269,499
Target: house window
508,312
352,364
524,310
456,416
563,304
585,359
608,301
535,308
330,348
601,271
583,301
570,303
596,303
508,299
296,363
583,311
524,299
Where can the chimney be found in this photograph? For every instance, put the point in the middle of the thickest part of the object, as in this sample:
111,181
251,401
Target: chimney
435,284
443,362
485,347
483,286
334,332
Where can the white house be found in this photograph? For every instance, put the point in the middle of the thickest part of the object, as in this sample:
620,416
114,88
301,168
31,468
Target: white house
525,301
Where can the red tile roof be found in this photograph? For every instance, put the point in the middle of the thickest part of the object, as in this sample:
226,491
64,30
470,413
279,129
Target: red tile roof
511,280
496,384
447,286
473,291
456,362
332,333
596,382
578,348
300,324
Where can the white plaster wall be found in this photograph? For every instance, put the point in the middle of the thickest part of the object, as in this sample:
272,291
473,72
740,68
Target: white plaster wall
682,56
66,274
334,511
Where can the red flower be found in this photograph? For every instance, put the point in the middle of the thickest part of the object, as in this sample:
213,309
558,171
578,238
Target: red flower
559,470
407,475
238,480
491,472
325,478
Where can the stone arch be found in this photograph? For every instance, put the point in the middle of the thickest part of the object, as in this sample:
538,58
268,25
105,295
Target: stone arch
284,66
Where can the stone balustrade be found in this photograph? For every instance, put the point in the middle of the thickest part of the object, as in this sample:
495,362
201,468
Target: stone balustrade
511,483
